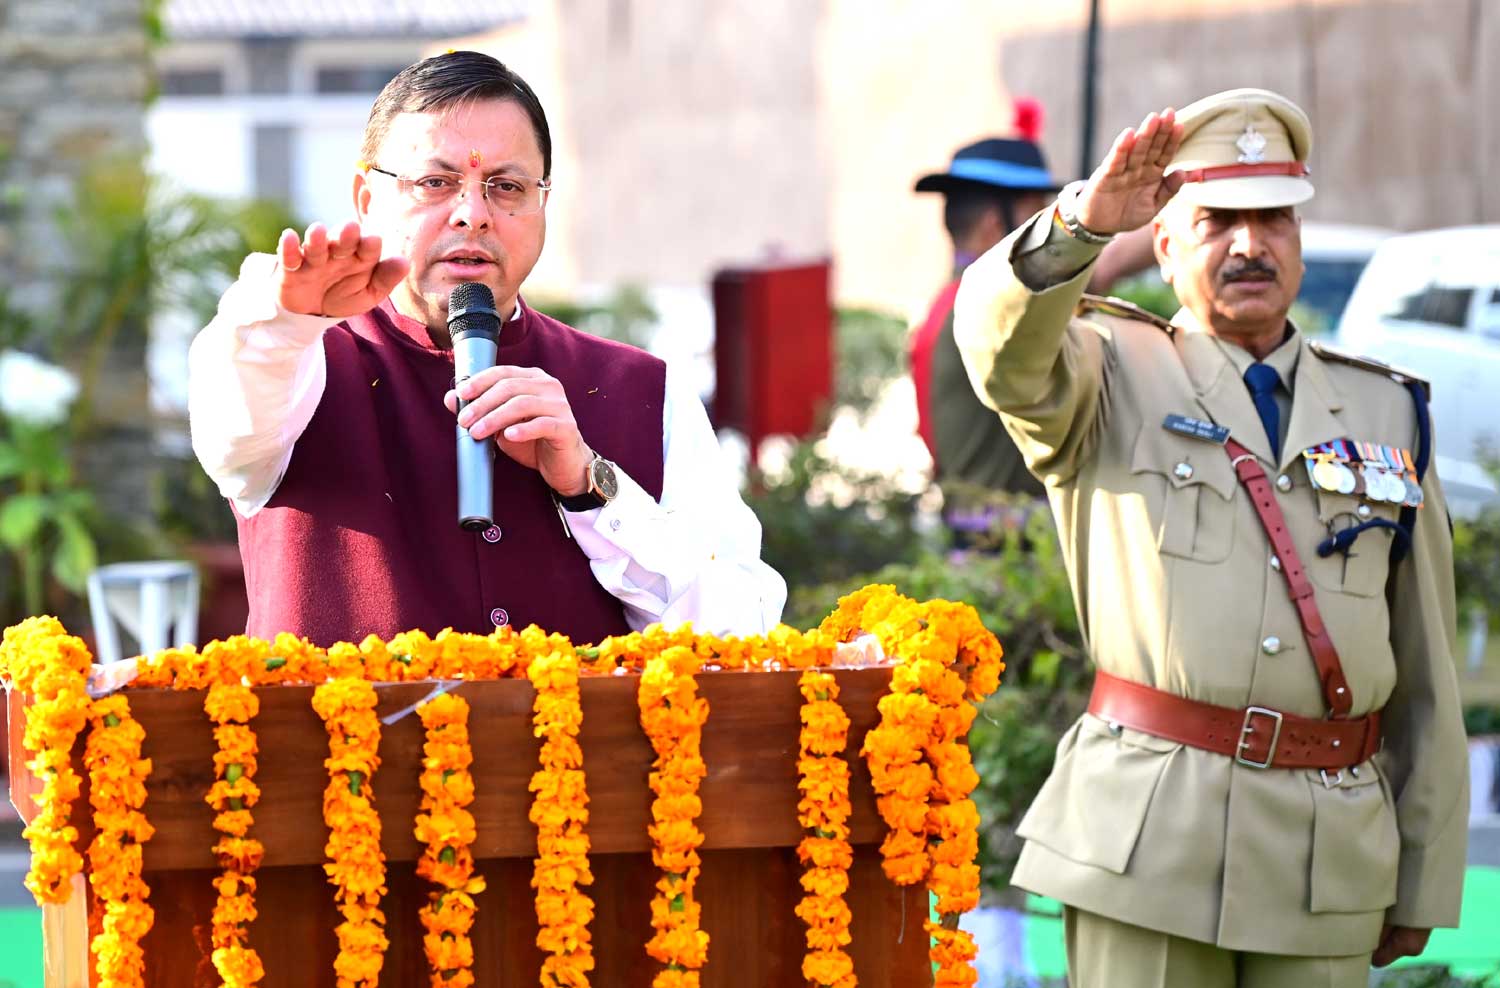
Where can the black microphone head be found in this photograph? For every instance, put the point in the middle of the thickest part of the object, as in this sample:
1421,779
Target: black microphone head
471,311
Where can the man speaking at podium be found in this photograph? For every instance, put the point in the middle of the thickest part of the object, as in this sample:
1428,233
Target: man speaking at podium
322,403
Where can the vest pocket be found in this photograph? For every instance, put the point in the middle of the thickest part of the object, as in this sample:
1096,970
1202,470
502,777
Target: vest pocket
1093,805
1356,844
1362,572
1196,518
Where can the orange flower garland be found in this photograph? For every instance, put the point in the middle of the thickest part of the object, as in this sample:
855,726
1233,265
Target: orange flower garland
920,767
917,756
825,853
673,715
560,812
117,791
356,865
447,830
231,706
52,667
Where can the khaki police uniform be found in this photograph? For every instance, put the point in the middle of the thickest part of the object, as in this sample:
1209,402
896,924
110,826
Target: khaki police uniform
1178,589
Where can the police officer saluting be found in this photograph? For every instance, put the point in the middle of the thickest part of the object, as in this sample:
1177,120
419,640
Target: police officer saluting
1269,788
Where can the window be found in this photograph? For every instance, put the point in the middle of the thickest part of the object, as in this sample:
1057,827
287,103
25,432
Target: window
192,82
1441,305
1489,316
355,78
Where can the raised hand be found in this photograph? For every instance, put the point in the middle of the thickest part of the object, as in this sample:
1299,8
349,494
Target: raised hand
1130,186
342,277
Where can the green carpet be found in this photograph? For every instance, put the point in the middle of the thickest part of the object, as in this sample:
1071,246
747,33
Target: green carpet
1472,950
21,948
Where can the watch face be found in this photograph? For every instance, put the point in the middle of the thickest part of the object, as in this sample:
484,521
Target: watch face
604,479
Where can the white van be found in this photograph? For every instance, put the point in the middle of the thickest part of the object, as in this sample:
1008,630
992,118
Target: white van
1430,302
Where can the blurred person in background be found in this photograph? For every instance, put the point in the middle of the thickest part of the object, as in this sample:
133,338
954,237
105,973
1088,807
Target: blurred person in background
1269,786
322,403
989,186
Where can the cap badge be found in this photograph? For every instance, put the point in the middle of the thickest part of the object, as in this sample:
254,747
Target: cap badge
1252,146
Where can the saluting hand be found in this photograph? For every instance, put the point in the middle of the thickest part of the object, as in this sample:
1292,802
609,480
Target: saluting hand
343,277
1131,185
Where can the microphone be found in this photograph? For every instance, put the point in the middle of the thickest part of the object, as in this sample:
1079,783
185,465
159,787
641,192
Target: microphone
474,326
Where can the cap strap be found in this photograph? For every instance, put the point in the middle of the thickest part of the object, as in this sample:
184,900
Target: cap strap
1296,169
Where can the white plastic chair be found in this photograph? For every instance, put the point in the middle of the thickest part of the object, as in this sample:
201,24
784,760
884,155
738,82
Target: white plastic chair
155,602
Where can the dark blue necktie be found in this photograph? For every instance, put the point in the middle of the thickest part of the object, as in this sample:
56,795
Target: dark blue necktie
1262,380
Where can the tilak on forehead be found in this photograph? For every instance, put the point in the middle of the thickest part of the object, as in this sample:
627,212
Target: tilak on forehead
474,157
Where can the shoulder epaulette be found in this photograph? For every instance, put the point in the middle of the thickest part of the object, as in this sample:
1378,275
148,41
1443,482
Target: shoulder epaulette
1397,374
1122,309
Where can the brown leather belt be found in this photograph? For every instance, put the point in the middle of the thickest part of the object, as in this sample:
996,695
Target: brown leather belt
1253,736
1256,736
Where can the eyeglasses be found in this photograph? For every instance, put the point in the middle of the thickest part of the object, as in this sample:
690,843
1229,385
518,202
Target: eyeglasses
516,194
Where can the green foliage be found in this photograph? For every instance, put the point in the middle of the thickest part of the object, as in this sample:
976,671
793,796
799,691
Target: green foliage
1476,554
1150,293
1479,719
823,523
626,316
871,352
1020,588
134,247
46,521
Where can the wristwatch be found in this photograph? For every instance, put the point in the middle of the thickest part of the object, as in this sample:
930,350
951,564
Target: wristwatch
602,487
1067,216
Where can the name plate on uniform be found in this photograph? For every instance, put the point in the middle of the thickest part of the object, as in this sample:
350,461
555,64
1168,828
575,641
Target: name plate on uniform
1196,429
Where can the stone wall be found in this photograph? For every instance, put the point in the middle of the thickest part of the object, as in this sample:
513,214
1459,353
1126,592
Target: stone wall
73,89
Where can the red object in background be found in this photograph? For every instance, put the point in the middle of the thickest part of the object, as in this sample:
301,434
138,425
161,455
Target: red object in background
223,607
773,350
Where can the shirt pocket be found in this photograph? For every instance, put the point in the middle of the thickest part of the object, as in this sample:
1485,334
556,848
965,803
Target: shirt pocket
1356,843
1093,805
1195,519
1362,571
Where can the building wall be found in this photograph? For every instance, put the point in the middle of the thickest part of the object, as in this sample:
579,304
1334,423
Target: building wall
702,134
1403,94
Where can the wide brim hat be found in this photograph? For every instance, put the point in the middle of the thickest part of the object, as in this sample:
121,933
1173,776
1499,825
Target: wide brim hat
1000,164
1244,149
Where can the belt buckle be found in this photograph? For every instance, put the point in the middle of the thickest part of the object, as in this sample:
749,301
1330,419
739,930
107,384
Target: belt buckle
1249,729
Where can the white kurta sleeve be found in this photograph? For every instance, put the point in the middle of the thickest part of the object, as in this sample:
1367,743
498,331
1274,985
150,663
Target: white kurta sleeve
695,555
255,376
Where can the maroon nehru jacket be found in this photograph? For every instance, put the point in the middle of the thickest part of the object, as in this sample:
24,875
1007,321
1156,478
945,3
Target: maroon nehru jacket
362,537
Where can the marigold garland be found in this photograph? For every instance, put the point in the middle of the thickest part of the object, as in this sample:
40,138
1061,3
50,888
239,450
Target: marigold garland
560,812
920,767
52,667
446,828
117,791
919,763
673,715
825,853
231,707
356,865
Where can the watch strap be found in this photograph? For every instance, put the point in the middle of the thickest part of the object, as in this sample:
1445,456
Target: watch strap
587,501
1067,217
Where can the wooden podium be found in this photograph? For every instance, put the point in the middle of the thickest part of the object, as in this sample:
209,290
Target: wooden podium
749,884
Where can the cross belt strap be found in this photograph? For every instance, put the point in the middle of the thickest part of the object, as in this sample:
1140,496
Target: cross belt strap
1254,736
1319,643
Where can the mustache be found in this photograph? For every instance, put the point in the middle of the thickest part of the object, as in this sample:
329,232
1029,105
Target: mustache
1245,271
